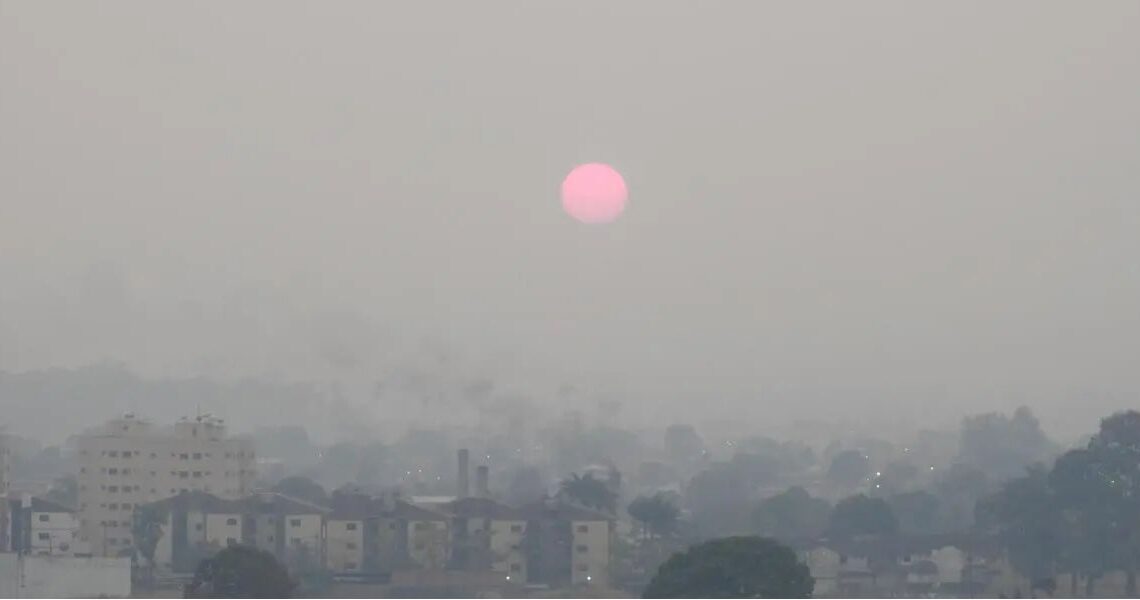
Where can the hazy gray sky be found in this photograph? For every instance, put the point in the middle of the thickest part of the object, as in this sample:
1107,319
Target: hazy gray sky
923,206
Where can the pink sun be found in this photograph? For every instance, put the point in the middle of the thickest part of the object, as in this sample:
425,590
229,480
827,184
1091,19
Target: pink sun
594,193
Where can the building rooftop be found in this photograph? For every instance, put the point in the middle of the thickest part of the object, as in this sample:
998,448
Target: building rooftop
482,508
558,509
410,512
47,506
199,501
277,503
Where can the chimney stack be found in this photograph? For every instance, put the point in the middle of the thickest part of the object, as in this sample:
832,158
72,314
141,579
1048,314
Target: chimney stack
482,473
463,481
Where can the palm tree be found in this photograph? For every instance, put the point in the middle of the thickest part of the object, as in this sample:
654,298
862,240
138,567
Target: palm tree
589,492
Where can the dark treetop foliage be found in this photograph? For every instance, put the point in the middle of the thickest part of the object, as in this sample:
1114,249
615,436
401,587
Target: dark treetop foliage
1083,515
791,514
849,468
590,492
657,514
734,567
240,572
862,515
302,488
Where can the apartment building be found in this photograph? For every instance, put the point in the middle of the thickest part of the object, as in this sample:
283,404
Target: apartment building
367,534
292,529
33,525
130,461
486,534
352,534
196,524
52,529
572,543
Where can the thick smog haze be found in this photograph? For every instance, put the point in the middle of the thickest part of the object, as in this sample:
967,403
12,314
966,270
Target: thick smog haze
877,211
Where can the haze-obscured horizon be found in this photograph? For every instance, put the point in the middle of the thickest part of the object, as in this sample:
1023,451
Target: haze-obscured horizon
848,211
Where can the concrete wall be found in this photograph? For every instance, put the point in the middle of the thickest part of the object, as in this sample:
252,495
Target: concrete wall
55,533
506,548
304,531
267,537
950,561
223,529
64,577
824,565
590,556
345,546
427,543
389,543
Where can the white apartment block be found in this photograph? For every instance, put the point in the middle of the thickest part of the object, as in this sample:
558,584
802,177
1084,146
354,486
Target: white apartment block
53,529
129,461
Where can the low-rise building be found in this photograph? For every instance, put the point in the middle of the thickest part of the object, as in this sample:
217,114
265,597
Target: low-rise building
194,525
191,526
487,535
567,544
33,525
916,565
371,535
424,535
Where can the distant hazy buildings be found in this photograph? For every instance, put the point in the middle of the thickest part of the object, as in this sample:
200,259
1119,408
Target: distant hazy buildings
129,461
366,537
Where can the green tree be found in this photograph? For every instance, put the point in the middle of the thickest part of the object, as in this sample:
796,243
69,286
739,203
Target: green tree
240,572
1083,515
525,485
683,443
862,515
917,512
720,500
897,477
791,514
958,489
734,567
147,530
1025,517
657,514
1004,446
64,490
1098,488
590,492
849,468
